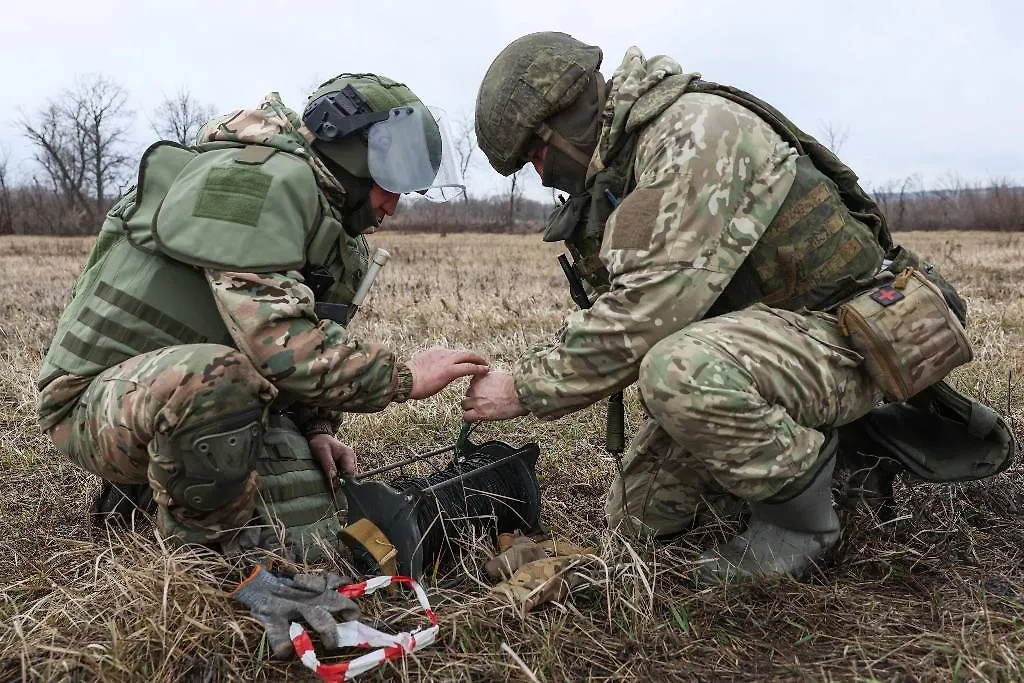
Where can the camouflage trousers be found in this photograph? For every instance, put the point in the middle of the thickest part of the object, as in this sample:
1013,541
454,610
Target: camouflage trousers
735,404
111,431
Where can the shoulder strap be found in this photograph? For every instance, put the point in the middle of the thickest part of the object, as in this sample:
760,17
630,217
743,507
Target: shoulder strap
860,204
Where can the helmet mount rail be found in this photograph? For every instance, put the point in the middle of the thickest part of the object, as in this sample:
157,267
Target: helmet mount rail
333,116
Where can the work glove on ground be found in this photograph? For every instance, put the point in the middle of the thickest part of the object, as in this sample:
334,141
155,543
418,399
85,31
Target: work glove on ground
276,601
550,579
522,550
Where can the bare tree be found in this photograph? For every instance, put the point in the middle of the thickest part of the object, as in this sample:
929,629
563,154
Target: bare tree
515,191
465,142
6,212
834,136
465,145
894,198
179,117
80,139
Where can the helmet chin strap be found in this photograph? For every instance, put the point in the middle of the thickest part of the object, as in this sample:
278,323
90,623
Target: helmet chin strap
552,137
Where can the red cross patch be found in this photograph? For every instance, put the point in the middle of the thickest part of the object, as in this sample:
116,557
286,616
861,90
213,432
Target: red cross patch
887,295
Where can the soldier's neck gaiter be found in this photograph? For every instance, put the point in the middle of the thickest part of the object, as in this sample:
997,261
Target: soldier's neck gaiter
577,125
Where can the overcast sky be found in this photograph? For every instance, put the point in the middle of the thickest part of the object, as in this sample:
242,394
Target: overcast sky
927,88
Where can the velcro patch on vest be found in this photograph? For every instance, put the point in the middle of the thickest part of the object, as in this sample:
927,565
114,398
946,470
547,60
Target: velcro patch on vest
634,220
887,295
233,194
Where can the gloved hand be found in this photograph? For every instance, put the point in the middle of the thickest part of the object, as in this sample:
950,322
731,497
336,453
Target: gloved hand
276,601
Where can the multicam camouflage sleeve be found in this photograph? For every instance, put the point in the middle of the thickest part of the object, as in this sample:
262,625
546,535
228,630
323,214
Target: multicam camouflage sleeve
710,178
270,317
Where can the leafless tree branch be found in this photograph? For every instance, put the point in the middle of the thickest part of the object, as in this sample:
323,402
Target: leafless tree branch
179,117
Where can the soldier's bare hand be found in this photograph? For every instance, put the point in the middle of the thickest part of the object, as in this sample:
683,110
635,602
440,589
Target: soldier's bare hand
492,397
434,369
332,455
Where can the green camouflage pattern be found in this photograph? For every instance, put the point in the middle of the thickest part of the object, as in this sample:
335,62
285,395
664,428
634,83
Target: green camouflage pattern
534,77
710,178
380,92
274,125
736,403
110,430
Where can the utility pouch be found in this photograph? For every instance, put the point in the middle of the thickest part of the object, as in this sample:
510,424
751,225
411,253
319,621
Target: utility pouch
909,337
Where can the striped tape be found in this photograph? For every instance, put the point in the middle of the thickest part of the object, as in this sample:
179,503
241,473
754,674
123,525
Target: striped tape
357,634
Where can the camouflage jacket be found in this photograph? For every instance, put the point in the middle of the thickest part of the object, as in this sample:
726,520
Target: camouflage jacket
710,177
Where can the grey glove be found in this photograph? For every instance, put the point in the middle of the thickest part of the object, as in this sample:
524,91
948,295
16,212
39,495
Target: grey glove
276,601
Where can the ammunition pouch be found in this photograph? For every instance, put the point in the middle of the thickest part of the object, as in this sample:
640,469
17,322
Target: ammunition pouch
204,467
295,493
908,335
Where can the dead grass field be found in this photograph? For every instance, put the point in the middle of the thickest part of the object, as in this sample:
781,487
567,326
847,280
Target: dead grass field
938,595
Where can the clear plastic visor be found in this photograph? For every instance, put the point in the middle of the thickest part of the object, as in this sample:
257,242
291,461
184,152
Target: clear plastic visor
412,151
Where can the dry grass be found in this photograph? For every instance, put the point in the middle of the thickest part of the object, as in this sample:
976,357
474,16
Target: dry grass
935,596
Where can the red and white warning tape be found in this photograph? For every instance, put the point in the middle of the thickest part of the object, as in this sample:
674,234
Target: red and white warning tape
357,634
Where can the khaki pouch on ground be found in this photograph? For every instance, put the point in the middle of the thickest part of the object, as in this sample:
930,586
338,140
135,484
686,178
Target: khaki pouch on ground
909,337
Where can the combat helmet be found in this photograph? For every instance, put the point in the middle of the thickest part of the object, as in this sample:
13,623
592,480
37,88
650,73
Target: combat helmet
377,130
542,87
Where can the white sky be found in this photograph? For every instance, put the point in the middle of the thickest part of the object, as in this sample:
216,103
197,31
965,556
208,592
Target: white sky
923,88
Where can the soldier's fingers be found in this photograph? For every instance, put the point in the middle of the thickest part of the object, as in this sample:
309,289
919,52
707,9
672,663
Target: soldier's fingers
466,369
324,457
345,457
469,357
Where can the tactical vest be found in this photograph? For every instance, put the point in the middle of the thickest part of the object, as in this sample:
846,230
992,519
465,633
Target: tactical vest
826,240
227,206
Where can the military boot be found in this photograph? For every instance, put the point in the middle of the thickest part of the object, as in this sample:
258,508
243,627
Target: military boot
116,505
787,534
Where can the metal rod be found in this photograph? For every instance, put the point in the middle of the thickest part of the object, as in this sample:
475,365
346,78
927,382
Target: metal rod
408,461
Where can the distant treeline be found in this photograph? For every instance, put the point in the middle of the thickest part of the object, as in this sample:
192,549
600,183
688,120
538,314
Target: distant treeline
35,209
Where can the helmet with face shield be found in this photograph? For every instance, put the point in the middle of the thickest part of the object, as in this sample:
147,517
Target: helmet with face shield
376,129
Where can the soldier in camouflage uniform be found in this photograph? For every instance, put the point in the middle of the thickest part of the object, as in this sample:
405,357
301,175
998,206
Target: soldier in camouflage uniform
711,245
204,352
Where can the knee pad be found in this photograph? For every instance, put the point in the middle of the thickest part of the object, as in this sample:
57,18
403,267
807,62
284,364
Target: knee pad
205,466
